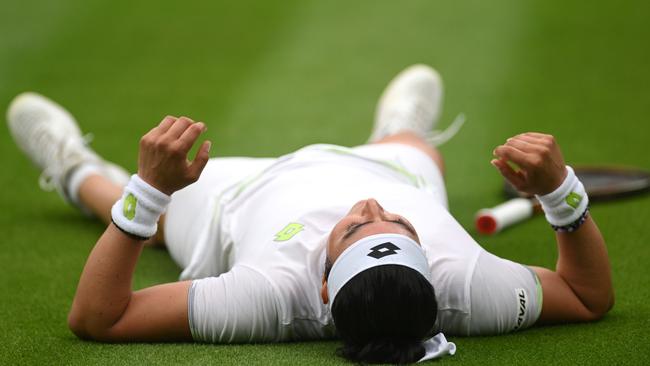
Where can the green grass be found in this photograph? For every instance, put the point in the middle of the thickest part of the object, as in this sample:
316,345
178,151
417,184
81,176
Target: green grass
271,76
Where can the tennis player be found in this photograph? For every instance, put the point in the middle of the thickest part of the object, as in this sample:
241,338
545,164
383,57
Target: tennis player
328,241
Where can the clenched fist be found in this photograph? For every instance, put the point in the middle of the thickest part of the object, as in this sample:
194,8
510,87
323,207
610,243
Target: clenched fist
163,161
541,167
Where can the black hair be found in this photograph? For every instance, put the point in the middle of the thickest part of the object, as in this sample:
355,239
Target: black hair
383,314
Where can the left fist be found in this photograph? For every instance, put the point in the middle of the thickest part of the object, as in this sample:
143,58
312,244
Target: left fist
539,159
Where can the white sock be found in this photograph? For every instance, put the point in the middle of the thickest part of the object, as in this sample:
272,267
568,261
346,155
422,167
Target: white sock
76,178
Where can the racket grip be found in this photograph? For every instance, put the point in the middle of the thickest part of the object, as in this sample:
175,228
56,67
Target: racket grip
492,220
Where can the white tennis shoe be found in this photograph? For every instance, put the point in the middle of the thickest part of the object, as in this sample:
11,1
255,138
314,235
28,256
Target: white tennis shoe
50,137
412,101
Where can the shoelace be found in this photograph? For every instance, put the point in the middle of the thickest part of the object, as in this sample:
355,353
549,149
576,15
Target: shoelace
418,113
50,178
438,137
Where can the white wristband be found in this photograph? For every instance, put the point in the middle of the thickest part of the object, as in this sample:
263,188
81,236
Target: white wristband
139,209
567,203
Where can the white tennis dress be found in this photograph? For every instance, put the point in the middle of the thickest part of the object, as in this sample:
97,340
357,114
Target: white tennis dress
251,233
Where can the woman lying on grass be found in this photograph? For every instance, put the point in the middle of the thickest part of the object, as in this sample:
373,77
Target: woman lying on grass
293,248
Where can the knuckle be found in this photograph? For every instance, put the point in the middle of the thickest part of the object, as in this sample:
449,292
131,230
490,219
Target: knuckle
536,162
190,176
147,141
544,150
549,139
159,143
176,150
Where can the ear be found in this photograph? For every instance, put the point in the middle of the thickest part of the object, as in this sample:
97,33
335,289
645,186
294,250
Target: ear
323,292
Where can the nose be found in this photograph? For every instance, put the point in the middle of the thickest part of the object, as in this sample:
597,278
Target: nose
372,209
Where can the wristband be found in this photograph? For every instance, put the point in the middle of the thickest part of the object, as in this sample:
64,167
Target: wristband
566,204
138,210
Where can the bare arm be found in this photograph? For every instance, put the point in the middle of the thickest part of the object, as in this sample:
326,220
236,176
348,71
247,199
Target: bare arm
104,307
580,288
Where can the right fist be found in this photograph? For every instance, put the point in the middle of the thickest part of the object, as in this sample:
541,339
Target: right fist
163,161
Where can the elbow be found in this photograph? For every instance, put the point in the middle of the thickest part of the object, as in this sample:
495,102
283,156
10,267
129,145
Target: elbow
607,305
594,316
84,327
76,325
599,311
610,303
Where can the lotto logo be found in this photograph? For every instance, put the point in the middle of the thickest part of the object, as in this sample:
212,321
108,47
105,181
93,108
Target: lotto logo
383,250
129,205
289,232
573,199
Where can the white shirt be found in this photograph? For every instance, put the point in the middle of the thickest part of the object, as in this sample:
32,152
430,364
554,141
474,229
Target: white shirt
271,236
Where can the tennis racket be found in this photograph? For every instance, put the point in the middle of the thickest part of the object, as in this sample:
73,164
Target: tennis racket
602,183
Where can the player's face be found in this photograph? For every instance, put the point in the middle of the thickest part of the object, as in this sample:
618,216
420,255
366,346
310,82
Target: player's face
366,218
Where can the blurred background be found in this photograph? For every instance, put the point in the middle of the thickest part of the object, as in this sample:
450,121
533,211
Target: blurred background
269,77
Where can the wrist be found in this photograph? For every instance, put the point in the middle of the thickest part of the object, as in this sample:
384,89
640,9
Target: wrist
567,204
151,180
574,225
138,210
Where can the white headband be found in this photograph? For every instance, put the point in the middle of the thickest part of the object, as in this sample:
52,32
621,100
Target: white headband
380,250
372,251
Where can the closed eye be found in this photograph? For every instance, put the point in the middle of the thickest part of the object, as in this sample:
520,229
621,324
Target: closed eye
353,227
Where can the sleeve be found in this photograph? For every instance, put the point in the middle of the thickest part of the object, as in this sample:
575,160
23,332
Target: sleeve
505,296
236,307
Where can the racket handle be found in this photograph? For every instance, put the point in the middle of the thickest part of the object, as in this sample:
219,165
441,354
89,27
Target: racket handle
492,220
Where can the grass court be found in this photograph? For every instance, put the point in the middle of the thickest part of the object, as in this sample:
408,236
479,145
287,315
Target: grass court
269,77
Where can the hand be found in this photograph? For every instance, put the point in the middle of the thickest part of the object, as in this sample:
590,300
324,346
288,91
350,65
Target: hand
163,159
539,159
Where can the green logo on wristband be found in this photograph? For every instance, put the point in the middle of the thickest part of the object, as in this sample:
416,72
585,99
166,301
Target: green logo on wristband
129,206
573,200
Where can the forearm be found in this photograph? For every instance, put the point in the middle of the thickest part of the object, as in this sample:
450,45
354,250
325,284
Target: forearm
105,308
104,289
584,264
581,287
